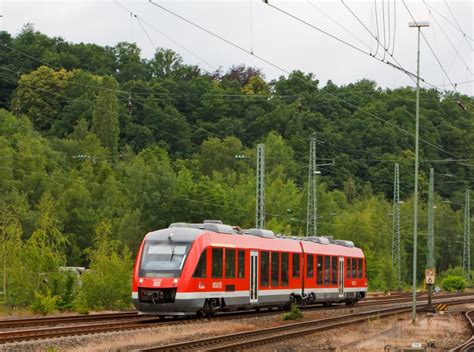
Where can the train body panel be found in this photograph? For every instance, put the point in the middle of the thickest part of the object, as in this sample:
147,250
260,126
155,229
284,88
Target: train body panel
186,270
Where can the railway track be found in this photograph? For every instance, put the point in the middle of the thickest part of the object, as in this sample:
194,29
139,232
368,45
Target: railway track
256,338
469,344
10,323
25,322
83,325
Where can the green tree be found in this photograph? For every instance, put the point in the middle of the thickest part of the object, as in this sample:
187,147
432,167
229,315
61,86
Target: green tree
105,123
108,283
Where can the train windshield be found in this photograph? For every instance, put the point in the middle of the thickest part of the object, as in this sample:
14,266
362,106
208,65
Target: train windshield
163,259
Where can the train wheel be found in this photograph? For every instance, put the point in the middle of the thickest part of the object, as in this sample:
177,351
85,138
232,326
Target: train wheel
350,302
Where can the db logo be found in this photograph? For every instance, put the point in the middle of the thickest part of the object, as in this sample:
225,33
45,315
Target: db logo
201,286
217,284
156,282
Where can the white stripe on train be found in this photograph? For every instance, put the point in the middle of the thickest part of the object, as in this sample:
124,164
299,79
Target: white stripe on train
191,295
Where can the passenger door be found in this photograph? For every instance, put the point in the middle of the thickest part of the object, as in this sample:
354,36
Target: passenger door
253,276
341,277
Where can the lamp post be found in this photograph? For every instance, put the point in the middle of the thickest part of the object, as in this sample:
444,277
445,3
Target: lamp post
417,25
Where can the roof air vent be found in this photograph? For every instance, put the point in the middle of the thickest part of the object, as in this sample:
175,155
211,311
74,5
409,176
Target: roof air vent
260,233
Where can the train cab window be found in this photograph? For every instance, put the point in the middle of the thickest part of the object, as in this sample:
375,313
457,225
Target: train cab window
354,268
348,268
241,264
327,270
359,268
310,266
319,270
284,269
201,266
275,268
296,265
334,270
264,268
217,263
365,268
230,263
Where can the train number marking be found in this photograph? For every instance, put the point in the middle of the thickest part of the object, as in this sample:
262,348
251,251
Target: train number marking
217,284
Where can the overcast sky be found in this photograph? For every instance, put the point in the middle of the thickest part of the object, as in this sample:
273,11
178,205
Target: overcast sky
273,35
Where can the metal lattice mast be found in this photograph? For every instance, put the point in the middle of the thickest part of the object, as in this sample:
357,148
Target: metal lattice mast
311,218
396,226
260,208
466,261
430,259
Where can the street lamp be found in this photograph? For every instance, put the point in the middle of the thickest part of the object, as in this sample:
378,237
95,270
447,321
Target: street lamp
418,25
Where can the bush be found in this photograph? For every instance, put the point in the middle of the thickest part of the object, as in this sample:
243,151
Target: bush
44,304
454,283
293,314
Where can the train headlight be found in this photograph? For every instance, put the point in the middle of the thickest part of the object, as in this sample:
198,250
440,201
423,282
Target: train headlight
175,282
140,281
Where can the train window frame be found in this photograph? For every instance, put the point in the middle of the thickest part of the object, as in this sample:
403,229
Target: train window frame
203,257
354,268
240,263
264,266
229,274
310,266
213,263
327,270
359,268
348,267
295,269
275,279
334,269
319,270
285,261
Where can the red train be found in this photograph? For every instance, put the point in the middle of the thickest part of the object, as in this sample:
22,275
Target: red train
190,269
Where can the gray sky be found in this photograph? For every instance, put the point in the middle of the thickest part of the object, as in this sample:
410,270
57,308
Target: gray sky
273,35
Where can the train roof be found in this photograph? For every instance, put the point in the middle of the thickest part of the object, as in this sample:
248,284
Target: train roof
218,234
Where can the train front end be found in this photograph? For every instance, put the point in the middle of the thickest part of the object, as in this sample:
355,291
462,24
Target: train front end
158,273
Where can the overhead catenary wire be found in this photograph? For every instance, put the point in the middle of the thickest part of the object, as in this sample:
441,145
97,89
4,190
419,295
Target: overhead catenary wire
431,49
288,72
456,50
383,29
457,23
377,26
337,23
465,35
141,20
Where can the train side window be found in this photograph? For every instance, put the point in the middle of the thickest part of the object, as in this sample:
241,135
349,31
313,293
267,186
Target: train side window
230,263
319,270
264,268
327,270
241,264
284,269
310,266
217,254
201,266
354,268
348,268
296,265
359,268
334,270
275,268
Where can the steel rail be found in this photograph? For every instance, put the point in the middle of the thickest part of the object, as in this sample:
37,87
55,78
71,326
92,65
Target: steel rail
469,344
260,337
10,323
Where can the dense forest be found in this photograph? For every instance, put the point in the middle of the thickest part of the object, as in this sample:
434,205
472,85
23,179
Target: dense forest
98,146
